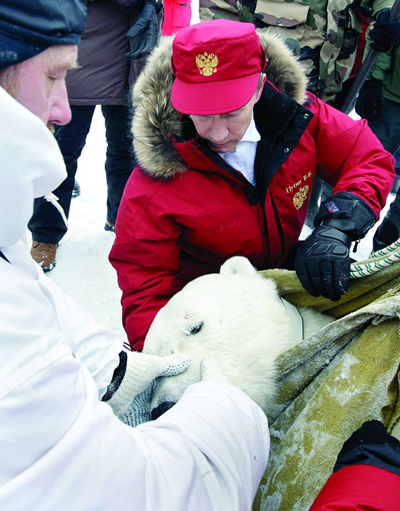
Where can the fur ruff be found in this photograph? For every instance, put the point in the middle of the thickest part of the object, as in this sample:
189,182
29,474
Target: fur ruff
156,122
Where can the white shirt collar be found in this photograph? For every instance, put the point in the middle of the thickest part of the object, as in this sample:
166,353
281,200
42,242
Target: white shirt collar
242,156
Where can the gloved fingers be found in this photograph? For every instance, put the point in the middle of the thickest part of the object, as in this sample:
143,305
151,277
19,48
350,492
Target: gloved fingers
143,44
333,280
369,103
138,411
326,281
210,370
175,364
328,278
375,109
147,14
384,32
367,108
341,276
379,107
137,50
307,278
149,39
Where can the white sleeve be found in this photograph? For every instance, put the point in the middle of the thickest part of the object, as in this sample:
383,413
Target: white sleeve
208,453
221,440
97,347
36,316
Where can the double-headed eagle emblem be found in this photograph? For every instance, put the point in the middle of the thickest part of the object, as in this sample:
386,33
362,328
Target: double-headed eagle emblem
300,197
207,63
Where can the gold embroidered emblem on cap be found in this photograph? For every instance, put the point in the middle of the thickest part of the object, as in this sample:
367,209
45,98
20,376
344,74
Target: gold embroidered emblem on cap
207,63
300,197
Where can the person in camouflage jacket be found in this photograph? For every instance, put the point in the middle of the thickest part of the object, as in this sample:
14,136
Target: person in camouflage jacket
322,34
379,103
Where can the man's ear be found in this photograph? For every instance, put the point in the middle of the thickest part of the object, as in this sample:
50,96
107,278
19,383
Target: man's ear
264,79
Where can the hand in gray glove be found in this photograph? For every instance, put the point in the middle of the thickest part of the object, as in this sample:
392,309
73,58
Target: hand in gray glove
369,104
130,390
323,259
144,33
384,32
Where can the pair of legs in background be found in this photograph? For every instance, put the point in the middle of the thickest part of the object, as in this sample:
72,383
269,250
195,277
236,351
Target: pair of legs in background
46,225
387,129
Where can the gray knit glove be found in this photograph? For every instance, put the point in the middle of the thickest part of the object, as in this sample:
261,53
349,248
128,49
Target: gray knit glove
129,393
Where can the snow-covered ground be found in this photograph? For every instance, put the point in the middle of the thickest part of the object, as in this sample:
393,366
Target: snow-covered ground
82,267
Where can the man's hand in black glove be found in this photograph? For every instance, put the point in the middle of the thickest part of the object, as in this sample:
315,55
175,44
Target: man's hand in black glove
384,32
323,263
369,102
144,33
323,259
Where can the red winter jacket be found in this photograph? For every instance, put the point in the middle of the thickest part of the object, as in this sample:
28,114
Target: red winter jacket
366,474
360,487
176,223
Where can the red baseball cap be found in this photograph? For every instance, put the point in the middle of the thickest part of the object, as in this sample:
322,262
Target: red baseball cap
216,65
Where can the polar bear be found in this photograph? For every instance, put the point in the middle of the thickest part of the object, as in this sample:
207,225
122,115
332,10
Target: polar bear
235,317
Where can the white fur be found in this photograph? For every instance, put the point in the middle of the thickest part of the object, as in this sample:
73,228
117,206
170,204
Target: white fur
237,318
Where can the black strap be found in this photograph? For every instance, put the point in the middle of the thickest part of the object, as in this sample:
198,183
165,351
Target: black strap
3,256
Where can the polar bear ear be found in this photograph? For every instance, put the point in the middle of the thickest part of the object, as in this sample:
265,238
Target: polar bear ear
237,265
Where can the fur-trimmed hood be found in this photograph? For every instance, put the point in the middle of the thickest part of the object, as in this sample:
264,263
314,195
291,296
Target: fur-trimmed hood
156,122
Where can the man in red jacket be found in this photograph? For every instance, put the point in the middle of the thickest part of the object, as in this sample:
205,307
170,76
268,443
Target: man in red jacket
366,474
229,143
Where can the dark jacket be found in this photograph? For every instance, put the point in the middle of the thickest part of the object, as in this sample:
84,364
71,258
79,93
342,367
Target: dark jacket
104,74
185,211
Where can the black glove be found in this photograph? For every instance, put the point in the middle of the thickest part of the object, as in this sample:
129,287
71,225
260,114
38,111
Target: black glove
322,261
370,445
384,32
144,33
369,104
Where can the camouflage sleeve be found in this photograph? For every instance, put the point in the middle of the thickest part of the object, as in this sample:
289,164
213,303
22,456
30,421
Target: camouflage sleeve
322,33
216,9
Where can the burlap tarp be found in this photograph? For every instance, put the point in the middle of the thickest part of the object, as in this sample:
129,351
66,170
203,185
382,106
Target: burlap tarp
330,384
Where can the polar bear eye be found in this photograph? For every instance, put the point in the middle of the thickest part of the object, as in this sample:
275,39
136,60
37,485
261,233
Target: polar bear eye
195,329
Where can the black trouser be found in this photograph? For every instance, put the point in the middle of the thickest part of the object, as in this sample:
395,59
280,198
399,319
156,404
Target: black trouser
46,223
387,126
387,129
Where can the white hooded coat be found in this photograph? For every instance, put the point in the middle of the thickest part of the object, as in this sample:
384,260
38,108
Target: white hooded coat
61,447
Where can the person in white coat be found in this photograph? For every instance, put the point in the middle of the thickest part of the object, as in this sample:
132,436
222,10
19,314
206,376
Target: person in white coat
63,379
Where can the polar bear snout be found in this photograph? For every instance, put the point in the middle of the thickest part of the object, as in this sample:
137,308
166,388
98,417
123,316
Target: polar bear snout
161,409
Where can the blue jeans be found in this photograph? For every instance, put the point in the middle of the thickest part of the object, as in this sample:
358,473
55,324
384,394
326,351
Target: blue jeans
46,223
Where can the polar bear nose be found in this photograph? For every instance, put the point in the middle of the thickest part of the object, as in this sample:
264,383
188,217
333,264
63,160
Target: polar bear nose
160,409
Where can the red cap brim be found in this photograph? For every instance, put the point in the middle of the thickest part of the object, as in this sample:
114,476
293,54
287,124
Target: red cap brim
213,98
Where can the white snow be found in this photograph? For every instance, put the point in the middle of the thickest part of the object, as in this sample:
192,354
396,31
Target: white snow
82,267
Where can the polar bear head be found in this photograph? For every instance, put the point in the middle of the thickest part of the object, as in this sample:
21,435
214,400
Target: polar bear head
235,316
